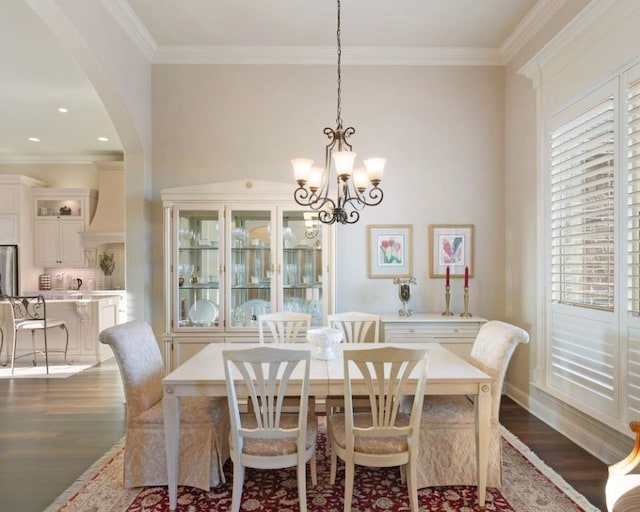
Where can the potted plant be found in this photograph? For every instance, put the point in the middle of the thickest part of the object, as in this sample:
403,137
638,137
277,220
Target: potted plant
107,264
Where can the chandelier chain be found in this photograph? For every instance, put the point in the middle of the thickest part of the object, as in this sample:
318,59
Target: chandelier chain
339,109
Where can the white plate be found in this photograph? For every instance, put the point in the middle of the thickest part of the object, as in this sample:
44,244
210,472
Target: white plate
255,306
203,313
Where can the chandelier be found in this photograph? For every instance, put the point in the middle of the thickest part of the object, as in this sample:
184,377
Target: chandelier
357,187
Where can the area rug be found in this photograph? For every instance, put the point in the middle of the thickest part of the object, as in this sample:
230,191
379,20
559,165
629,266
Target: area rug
530,486
57,371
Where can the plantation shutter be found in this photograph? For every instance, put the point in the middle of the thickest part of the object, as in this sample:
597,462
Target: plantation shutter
632,144
581,208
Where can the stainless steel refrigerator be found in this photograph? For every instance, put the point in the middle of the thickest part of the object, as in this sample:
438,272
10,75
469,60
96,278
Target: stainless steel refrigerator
8,270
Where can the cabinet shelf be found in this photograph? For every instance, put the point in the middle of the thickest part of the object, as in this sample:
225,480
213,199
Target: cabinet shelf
207,286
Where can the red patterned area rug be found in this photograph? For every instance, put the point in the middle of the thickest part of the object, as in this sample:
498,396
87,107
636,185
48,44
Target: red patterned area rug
530,486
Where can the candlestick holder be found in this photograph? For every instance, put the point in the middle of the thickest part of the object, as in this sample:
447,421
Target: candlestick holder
466,303
447,298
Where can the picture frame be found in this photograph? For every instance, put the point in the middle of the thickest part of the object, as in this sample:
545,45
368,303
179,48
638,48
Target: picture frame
450,245
390,248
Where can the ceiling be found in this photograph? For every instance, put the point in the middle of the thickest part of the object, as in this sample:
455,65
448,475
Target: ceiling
39,75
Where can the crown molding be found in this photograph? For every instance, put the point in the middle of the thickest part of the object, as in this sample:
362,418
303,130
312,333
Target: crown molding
533,21
126,17
88,158
307,55
596,19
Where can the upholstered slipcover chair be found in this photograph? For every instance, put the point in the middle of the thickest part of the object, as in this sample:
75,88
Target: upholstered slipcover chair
623,487
204,422
447,440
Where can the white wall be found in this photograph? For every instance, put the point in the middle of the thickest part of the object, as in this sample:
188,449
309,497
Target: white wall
121,75
521,200
441,129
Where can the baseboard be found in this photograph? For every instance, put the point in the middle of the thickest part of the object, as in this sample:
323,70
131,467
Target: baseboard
599,440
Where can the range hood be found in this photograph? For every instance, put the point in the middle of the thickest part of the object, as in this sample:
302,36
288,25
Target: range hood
107,225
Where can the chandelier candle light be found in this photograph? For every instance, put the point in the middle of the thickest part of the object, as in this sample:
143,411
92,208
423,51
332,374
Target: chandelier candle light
357,187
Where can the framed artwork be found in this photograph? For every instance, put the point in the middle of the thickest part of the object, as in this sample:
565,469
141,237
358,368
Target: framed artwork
450,245
389,253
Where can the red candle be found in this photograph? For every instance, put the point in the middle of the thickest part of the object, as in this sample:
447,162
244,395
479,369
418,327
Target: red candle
447,277
466,277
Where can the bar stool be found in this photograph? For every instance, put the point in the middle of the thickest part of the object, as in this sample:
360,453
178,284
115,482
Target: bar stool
30,314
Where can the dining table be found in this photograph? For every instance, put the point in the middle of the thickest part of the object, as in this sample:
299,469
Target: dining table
203,375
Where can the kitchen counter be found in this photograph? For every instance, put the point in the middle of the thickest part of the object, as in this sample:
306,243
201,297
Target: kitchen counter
85,317
74,295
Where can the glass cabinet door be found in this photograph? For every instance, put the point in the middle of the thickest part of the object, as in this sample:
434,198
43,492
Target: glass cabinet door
197,270
302,264
250,268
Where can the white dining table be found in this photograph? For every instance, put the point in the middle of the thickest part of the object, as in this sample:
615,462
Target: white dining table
203,375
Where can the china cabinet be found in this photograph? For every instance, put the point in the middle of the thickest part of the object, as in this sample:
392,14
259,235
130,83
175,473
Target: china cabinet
60,215
233,251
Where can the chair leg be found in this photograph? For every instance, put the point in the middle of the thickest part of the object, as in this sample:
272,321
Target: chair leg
238,481
46,350
1,345
66,345
33,347
412,483
314,472
302,484
13,351
334,463
349,470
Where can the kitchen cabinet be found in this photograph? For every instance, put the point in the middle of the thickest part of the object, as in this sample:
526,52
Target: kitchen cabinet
16,223
454,332
61,215
236,250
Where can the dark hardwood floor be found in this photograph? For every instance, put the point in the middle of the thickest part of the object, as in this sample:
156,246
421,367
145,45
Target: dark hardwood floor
52,430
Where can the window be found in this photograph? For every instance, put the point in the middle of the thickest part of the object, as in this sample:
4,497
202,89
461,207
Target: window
582,208
633,194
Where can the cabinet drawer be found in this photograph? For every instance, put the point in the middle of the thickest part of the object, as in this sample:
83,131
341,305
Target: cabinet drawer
422,333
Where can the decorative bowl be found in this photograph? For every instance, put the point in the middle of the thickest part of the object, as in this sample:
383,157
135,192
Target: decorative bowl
323,341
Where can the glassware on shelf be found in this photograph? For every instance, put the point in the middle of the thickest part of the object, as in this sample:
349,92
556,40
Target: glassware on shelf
308,273
240,273
292,273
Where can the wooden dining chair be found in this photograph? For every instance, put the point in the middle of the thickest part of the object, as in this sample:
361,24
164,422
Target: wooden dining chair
204,421
357,327
267,437
29,313
382,436
447,454
284,327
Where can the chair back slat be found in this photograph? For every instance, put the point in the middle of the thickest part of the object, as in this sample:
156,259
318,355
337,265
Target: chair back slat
387,373
357,327
268,375
284,327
